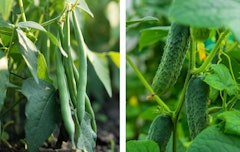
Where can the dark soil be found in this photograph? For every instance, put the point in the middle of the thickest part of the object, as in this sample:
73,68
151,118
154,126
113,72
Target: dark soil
107,134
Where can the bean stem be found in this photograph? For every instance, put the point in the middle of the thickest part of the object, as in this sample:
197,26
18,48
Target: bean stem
22,10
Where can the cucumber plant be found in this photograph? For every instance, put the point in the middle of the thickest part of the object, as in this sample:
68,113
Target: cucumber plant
196,98
43,66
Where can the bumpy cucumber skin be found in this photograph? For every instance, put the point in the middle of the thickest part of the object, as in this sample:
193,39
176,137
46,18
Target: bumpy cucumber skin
160,130
196,105
174,54
199,34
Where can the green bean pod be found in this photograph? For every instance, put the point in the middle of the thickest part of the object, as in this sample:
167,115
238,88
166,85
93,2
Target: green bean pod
82,83
68,62
64,97
91,112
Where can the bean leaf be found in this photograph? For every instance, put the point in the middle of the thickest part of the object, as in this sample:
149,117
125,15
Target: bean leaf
29,52
3,77
100,64
41,112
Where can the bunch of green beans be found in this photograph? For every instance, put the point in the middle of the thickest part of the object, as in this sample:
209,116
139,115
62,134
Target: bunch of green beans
72,81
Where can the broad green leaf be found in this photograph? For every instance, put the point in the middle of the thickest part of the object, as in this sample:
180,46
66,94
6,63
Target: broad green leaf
220,79
41,112
6,30
34,25
5,27
100,64
29,52
144,19
5,8
3,77
152,35
235,62
142,146
231,121
115,56
213,139
207,13
180,147
42,68
31,24
150,113
82,5
87,140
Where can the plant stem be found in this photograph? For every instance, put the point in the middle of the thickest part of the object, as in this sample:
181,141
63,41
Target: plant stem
193,54
211,55
176,113
148,87
22,10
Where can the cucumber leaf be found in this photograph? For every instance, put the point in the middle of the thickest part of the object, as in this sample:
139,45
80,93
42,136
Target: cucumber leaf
144,19
152,35
142,146
221,79
205,13
213,139
231,122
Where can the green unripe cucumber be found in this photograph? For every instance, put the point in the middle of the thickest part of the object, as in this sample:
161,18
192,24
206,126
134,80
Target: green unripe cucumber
196,105
199,34
160,130
174,53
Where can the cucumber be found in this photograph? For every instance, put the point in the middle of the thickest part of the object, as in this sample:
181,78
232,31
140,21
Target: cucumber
173,56
199,34
196,105
160,130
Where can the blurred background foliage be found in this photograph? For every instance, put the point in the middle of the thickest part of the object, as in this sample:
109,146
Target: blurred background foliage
147,24
101,35
147,28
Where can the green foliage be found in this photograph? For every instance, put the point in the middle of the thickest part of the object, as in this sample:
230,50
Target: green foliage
152,35
4,77
28,42
231,122
29,52
214,139
142,146
221,79
88,138
210,85
204,14
199,34
41,112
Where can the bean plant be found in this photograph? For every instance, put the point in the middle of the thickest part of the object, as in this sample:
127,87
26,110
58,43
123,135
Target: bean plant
192,73
46,62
